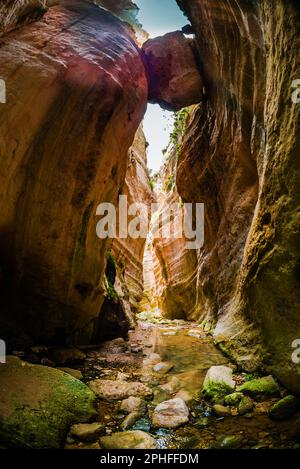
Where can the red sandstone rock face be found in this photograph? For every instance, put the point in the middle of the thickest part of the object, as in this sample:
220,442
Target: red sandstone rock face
14,13
175,80
76,93
239,157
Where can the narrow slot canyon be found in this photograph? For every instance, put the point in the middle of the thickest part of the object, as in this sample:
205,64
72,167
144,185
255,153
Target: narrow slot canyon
150,235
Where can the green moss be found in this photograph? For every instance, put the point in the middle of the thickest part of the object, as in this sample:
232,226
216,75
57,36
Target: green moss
180,119
40,404
216,391
285,408
260,387
233,399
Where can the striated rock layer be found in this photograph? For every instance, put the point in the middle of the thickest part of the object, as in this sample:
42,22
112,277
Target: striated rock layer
240,157
174,266
124,269
14,13
76,93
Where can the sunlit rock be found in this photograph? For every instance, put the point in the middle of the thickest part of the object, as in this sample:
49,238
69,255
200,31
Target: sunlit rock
175,80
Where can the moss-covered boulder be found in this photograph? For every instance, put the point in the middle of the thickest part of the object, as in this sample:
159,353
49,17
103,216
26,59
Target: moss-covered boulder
285,408
260,387
218,383
38,404
233,399
245,406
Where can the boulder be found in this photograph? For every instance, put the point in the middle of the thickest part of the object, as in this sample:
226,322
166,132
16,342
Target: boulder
117,390
135,439
38,404
218,382
221,411
87,431
285,408
163,367
260,387
175,80
233,399
245,405
170,414
130,420
133,404
231,442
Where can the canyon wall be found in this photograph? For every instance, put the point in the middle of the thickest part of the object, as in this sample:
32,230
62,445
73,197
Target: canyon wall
14,13
175,267
124,269
76,93
240,156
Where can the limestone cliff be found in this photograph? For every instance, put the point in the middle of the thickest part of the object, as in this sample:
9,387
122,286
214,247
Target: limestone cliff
124,269
240,157
76,94
174,266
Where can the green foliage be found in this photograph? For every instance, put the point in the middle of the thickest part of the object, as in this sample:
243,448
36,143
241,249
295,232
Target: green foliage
180,119
169,183
110,275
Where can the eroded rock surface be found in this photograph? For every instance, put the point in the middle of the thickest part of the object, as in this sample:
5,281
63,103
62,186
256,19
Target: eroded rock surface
77,83
239,157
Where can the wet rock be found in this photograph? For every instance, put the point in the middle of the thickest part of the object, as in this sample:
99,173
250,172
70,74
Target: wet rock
134,439
160,395
163,367
231,442
233,399
117,390
218,382
67,356
172,386
285,408
170,414
260,387
75,373
87,431
130,420
39,404
133,404
202,422
184,395
245,405
143,424
175,80
221,411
